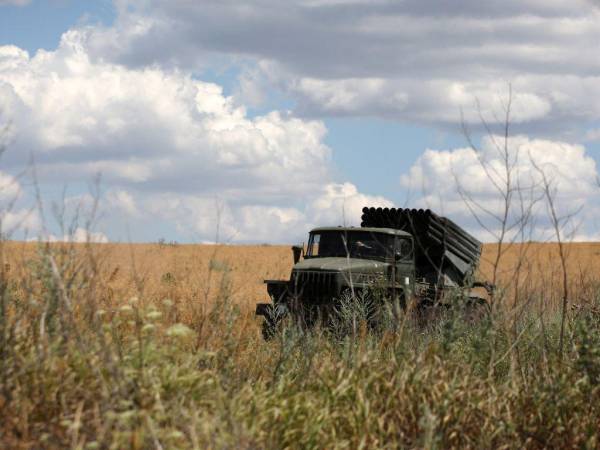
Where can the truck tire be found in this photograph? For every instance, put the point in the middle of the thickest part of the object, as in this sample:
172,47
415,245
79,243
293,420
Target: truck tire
476,309
273,323
269,329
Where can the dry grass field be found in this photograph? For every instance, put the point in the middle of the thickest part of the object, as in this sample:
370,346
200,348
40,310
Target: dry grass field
193,273
112,346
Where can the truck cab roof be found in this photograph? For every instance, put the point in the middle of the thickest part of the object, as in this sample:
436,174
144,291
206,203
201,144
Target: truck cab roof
391,231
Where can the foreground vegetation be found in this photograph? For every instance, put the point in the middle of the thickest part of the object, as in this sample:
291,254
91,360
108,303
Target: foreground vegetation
81,370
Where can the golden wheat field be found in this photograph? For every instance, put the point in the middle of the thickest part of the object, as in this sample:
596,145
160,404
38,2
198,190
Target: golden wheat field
195,273
111,346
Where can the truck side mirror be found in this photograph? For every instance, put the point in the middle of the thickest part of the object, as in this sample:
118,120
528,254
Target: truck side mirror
297,250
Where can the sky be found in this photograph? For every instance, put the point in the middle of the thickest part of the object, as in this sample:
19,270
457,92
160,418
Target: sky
251,122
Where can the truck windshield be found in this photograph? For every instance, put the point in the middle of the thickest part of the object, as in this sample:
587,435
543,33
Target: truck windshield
355,244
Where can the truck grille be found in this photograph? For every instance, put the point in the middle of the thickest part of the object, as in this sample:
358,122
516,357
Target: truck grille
314,286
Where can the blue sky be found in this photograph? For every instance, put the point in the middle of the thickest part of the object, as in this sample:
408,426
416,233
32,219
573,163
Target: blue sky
284,117
40,24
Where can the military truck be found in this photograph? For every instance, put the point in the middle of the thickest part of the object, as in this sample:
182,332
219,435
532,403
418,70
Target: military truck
411,256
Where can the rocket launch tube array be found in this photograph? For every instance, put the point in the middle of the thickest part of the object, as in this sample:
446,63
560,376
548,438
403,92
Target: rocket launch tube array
433,234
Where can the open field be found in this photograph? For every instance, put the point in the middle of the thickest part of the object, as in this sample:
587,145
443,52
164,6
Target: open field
192,273
155,346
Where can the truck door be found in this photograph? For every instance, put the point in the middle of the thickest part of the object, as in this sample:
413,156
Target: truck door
404,263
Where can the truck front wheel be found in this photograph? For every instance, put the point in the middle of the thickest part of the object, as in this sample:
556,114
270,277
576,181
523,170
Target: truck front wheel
270,329
273,323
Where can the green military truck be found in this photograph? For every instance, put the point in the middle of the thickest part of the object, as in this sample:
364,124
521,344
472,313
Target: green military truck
406,254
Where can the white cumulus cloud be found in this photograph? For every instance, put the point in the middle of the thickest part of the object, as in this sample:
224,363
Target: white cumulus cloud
217,219
150,128
167,145
463,181
23,220
14,215
78,235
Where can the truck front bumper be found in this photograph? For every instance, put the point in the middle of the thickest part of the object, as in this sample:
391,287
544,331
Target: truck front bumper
264,309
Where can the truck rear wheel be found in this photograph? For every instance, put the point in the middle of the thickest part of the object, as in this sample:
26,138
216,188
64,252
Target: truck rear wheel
476,309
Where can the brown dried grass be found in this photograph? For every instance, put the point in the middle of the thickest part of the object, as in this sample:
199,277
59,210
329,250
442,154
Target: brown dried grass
112,372
189,272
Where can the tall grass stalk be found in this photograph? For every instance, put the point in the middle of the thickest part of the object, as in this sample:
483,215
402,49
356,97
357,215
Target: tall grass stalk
79,371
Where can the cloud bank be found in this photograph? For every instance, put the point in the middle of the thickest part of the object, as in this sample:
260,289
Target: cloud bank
415,60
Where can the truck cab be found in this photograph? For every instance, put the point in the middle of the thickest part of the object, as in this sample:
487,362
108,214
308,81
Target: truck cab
339,261
356,258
